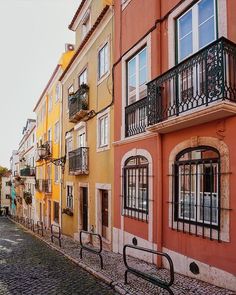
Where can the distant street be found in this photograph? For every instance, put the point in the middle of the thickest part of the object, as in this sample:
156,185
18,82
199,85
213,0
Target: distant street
28,266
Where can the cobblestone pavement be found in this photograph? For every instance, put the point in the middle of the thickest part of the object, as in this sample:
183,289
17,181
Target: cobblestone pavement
114,273
29,266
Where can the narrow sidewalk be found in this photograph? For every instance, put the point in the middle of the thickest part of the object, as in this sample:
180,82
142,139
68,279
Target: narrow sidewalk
114,269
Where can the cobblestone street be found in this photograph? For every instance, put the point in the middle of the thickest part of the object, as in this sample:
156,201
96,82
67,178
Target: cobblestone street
28,266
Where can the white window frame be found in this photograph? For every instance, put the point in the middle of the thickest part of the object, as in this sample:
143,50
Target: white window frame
86,23
138,88
106,146
69,139
56,174
57,92
103,76
195,29
83,73
57,132
50,103
67,199
146,41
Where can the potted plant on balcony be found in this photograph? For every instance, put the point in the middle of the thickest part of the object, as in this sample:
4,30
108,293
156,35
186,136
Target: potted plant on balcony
67,211
28,198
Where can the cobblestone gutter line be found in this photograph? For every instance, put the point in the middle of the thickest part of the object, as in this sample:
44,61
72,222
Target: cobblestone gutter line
113,272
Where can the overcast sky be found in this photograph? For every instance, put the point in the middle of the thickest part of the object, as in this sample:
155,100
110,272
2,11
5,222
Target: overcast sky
33,34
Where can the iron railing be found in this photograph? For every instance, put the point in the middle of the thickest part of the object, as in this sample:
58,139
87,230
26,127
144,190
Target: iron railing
136,117
78,161
27,171
202,79
78,101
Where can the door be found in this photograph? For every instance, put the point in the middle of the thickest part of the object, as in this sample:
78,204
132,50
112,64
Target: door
105,214
49,213
85,208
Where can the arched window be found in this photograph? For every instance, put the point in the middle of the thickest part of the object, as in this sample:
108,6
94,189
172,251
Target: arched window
196,195
135,187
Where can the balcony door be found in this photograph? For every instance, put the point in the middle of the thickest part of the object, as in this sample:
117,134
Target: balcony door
105,214
196,28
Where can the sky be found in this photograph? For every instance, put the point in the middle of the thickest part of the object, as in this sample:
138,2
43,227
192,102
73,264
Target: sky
33,34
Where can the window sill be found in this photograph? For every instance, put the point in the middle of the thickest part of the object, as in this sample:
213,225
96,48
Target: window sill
103,148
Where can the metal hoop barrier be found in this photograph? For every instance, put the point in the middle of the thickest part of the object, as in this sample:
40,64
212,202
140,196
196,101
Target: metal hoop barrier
56,233
27,222
92,250
39,226
162,284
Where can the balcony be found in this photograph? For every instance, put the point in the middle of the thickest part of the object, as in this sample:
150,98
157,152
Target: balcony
27,172
44,151
200,89
44,186
78,161
78,104
136,117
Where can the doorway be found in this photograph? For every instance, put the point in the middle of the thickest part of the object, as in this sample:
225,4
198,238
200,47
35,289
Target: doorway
49,213
105,215
84,199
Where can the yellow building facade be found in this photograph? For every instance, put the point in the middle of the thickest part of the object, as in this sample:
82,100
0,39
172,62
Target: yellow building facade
87,135
48,137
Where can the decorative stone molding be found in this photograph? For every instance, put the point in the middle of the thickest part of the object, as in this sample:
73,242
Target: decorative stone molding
224,193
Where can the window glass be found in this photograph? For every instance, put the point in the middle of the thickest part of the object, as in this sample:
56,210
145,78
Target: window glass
103,61
185,35
69,199
83,77
57,92
137,76
103,131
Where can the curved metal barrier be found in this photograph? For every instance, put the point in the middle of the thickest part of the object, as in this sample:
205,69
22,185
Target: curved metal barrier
39,227
56,233
154,280
92,250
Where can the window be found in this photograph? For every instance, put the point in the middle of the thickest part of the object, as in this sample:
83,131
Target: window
69,197
86,24
196,28
83,77
56,211
103,131
69,145
57,92
70,93
56,132
81,139
103,61
50,103
56,173
197,181
136,187
137,76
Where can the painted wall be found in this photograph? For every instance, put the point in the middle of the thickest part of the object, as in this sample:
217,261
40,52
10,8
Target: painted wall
100,163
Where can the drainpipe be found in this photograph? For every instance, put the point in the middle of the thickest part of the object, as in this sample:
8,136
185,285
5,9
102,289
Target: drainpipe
61,132
159,198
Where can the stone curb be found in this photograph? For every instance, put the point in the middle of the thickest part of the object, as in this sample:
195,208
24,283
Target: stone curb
93,272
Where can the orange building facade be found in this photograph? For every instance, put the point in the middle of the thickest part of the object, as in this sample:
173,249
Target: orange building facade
175,114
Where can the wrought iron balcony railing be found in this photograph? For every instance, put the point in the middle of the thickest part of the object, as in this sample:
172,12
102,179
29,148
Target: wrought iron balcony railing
136,117
78,104
202,79
78,161
28,171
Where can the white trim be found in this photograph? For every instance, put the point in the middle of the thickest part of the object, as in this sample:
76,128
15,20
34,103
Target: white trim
222,26
133,51
224,193
80,16
99,116
107,18
98,212
142,152
125,3
107,74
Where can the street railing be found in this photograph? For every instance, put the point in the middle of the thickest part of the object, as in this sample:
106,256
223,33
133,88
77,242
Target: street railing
153,279
96,251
